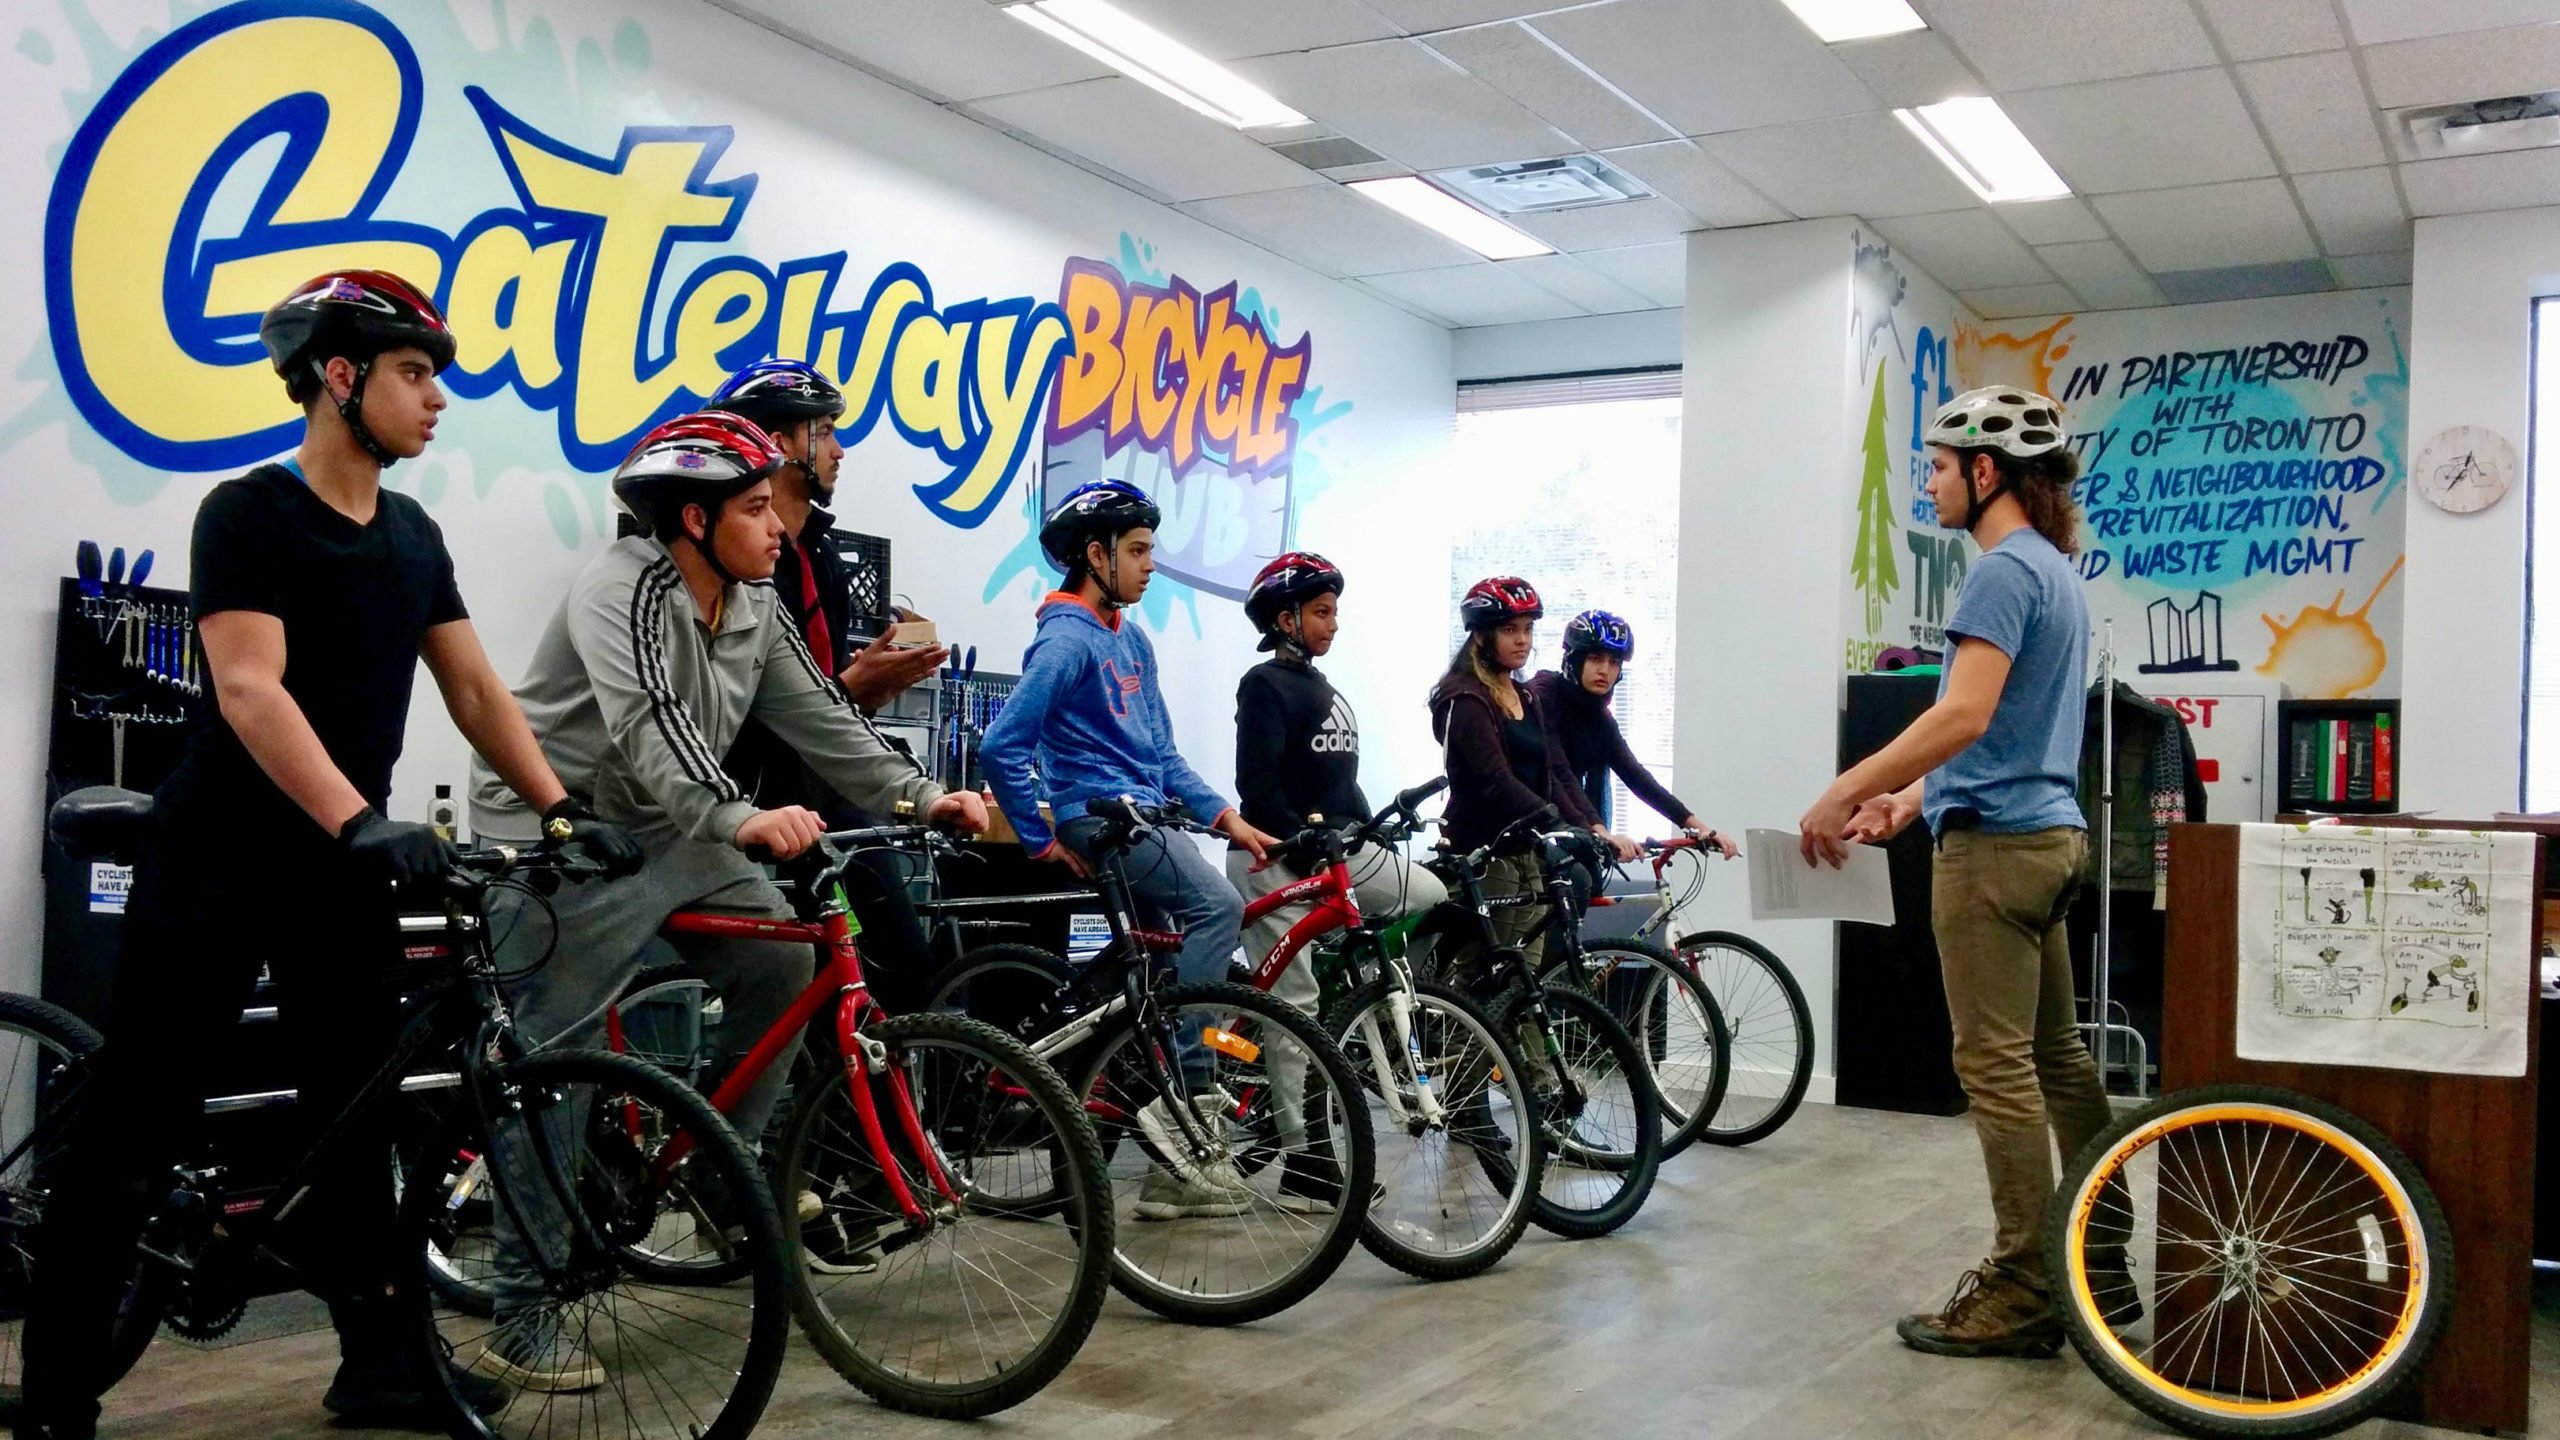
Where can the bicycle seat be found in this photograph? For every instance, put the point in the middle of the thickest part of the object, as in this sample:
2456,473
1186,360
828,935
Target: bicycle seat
100,822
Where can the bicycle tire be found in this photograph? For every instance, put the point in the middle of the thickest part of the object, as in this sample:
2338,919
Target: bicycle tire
637,1359
1690,1105
1394,1241
1346,1144
1772,1051
814,1156
63,1042
1010,986
1633,1151
2393,1262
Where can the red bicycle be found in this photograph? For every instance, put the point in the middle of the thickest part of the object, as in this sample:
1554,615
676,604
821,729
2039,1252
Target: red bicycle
955,1218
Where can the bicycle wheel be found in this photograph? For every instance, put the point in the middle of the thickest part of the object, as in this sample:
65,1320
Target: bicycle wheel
1200,1239
1603,1145
2241,1260
586,1343
982,1309
1770,1028
1441,1211
1677,1026
1014,988
43,1053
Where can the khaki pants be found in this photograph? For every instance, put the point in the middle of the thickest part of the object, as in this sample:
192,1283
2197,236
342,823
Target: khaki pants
1996,904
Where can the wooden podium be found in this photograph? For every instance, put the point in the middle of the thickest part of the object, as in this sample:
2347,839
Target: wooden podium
2473,1135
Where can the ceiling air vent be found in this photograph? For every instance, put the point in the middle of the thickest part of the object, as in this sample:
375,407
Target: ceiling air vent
1327,152
1533,187
2477,127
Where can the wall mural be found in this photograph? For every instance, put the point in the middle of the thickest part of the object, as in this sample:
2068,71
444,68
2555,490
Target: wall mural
2240,479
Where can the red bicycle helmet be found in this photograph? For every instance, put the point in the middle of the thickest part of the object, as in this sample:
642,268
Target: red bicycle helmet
700,459
1290,581
1498,599
355,315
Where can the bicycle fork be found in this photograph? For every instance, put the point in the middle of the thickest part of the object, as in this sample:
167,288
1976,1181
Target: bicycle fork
864,1057
1427,1108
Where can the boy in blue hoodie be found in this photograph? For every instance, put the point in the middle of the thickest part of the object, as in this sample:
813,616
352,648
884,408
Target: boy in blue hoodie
1087,712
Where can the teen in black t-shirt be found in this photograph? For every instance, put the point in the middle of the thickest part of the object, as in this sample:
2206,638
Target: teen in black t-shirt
316,594
1298,757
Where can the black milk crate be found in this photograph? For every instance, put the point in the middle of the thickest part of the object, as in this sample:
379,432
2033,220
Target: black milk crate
866,579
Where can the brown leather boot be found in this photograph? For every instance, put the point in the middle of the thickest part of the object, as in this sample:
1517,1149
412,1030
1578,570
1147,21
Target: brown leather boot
1992,1313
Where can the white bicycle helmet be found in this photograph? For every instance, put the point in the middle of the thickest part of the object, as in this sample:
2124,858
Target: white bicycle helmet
2019,423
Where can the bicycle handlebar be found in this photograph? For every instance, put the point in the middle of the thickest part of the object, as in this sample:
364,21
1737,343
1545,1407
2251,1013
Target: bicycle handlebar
1387,826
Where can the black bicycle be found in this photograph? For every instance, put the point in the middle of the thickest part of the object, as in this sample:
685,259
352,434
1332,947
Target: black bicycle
1599,1116
584,1228
1239,1146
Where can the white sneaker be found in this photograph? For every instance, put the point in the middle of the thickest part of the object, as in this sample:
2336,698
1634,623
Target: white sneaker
536,1354
810,1206
1166,1196
1164,1137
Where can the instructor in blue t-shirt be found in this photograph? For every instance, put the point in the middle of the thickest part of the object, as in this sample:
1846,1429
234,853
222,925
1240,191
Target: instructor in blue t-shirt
1993,767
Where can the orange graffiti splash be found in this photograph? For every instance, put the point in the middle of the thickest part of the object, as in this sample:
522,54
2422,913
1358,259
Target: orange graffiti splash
1994,358
2328,655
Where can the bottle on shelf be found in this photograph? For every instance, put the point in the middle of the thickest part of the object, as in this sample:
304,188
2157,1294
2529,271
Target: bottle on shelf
440,815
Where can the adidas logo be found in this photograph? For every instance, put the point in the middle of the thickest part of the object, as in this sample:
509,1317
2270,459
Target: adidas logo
1339,734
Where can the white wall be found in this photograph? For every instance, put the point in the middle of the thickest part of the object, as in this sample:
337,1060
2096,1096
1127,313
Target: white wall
1767,485
866,169
1634,340
2471,294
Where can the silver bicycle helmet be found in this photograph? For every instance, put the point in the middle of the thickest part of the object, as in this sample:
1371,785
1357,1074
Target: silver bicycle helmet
2015,422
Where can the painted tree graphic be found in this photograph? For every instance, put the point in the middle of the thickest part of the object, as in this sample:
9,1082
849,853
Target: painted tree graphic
1871,568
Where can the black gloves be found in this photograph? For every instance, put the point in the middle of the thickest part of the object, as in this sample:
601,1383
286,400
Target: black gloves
570,822
401,851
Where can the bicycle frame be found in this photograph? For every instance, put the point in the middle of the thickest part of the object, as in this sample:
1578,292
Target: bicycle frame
839,980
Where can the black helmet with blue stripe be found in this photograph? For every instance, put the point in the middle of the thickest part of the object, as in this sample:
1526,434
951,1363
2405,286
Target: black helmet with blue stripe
1104,510
1596,632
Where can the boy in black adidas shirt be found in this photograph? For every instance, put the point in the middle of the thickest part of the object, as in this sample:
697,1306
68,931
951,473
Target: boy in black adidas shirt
1298,756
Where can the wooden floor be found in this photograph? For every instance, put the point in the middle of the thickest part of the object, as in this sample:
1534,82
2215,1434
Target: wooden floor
1754,1297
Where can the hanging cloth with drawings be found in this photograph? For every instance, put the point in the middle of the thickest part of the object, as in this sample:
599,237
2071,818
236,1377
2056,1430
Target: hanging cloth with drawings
2158,784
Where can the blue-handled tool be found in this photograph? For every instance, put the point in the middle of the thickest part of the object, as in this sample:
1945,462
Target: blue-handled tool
90,566
115,566
141,567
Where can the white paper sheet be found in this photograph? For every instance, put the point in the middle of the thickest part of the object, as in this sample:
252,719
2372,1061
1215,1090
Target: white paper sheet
2371,945
1783,887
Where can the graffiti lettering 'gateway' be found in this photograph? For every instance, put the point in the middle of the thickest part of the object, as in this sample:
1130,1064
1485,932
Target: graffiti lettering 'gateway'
154,321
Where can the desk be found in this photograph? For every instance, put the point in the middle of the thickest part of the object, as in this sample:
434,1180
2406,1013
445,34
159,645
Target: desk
2472,1135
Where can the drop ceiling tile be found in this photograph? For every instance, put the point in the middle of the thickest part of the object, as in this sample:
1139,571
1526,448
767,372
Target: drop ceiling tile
2102,274
1568,277
1914,68
1232,29
2257,29
2379,22
1682,173
2315,111
2444,69
2052,222
1852,165
2369,272
2245,282
2145,132
1610,227
2510,180
1418,16
2016,302
951,52
1329,228
1660,273
1479,294
2017,44
1402,100
1710,67
1964,249
1516,62
2354,212
1124,126
2208,227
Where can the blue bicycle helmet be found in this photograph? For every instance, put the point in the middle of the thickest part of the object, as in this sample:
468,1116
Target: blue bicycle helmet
777,394
1596,632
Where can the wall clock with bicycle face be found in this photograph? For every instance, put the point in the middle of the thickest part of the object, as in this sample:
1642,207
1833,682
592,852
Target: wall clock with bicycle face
2465,468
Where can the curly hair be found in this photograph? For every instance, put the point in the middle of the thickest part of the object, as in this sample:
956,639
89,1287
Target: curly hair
2043,487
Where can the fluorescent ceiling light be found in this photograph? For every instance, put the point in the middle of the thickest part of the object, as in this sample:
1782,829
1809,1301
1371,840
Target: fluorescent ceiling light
1838,20
1156,60
1976,139
1433,208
